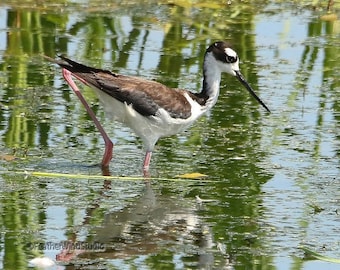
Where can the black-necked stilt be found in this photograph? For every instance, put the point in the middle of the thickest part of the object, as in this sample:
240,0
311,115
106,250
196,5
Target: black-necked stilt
151,109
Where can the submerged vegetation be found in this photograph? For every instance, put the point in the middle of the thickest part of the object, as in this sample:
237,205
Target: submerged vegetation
237,223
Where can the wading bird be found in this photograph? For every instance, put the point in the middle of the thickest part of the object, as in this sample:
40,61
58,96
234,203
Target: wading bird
151,109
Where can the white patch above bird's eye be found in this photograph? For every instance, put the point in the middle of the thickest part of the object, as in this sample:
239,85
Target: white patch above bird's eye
231,55
230,52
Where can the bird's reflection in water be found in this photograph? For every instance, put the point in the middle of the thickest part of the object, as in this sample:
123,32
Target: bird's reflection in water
147,226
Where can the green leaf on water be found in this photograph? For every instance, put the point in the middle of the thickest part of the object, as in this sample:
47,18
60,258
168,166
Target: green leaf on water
192,176
178,178
312,254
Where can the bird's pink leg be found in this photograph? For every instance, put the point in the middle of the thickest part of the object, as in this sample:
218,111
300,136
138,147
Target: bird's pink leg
146,164
108,143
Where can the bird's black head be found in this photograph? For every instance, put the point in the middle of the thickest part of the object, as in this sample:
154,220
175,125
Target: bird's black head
223,52
220,56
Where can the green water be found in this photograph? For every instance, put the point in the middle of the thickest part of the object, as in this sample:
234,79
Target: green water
273,180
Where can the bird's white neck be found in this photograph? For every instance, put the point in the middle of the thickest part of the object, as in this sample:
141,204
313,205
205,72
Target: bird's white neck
211,80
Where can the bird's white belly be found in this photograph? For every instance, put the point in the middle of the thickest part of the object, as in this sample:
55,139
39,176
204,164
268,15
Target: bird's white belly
148,128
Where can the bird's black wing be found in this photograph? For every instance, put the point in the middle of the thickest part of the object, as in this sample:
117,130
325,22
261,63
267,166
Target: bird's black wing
146,96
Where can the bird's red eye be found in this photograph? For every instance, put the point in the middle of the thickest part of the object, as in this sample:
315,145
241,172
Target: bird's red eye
231,59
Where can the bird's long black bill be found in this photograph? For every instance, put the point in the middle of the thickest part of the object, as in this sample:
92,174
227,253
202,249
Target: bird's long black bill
250,90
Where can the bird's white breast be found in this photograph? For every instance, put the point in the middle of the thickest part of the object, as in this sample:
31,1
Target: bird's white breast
148,128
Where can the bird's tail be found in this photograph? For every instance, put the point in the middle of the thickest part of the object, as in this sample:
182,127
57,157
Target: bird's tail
75,67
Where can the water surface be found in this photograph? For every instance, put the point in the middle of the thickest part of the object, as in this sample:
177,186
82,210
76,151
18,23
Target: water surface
273,179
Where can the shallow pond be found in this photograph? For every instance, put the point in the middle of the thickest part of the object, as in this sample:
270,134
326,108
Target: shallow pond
271,193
